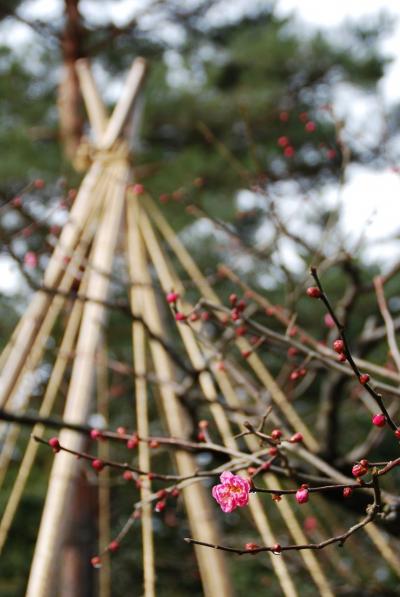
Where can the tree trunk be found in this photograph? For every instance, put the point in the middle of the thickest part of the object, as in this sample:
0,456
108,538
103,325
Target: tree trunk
69,98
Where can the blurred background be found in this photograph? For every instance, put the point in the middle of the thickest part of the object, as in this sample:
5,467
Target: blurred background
270,136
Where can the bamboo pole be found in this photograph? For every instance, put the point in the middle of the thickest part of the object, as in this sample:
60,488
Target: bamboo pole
65,469
45,410
137,264
104,486
123,108
11,432
7,348
94,104
384,547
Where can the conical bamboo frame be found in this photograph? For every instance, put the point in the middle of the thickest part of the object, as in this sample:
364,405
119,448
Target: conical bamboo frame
41,580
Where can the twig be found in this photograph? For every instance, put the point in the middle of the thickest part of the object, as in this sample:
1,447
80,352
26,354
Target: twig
377,397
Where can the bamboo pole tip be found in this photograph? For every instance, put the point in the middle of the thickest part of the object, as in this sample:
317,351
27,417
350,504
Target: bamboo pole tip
82,63
142,61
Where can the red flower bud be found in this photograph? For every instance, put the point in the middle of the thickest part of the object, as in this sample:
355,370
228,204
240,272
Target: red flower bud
360,469
132,442
96,434
314,292
54,443
338,346
241,306
276,434
283,141
235,315
292,351
160,506
251,546
98,464
180,316
241,330
379,420
233,299
302,494
296,438
364,378
113,546
288,152
172,297
138,189
96,562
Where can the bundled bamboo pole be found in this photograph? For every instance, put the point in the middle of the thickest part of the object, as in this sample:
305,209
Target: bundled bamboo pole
65,469
212,565
104,500
125,104
50,395
137,264
94,104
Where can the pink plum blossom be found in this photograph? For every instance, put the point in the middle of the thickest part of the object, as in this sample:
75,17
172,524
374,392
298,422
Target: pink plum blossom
233,492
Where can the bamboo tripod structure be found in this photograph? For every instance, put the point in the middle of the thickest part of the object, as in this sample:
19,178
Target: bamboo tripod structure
104,212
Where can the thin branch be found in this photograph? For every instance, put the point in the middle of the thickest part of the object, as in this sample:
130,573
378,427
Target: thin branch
377,397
